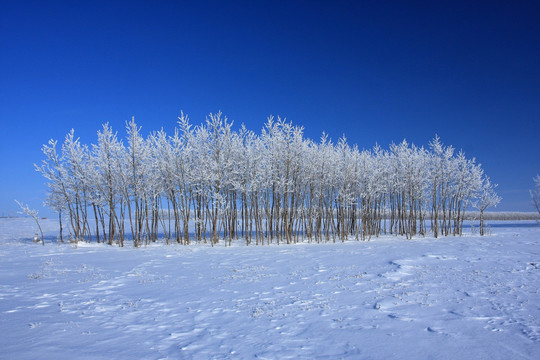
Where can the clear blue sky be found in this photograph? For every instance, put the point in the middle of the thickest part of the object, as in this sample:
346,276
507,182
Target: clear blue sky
378,71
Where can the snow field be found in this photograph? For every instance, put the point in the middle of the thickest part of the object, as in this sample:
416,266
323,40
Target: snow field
467,297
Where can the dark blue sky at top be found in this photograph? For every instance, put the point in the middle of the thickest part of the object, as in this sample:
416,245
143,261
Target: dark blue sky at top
376,71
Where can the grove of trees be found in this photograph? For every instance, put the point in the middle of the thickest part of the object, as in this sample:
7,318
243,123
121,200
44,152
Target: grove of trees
208,183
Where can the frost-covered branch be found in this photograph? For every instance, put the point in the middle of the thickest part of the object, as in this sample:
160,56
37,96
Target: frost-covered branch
25,210
535,194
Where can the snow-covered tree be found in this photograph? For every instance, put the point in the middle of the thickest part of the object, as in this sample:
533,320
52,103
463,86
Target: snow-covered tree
105,159
486,198
52,170
26,210
137,180
535,194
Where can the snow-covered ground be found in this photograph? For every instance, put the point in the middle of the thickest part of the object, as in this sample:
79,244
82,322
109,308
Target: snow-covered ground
467,297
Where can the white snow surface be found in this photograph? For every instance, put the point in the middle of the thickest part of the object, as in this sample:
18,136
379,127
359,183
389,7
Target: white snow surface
467,297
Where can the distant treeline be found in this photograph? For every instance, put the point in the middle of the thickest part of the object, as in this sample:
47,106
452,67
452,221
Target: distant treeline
503,215
469,215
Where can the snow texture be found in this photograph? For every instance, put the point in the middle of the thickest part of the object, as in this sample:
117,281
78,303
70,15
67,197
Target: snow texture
467,297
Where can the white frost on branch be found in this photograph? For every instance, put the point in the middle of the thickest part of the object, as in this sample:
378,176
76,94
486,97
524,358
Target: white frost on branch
26,210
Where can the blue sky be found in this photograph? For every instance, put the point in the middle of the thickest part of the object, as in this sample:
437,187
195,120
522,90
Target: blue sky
377,71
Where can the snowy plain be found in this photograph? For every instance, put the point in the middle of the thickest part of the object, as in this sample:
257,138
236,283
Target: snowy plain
466,297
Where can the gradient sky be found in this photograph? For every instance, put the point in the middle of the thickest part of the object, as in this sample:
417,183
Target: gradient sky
376,71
